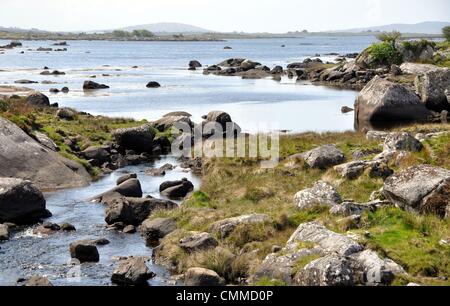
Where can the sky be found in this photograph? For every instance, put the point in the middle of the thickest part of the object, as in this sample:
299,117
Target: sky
276,16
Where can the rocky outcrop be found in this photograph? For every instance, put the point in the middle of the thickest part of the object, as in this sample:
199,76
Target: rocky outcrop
23,157
133,211
21,202
90,85
132,271
198,242
316,256
323,157
202,277
421,188
382,101
139,139
154,229
225,227
322,193
84,251
432,86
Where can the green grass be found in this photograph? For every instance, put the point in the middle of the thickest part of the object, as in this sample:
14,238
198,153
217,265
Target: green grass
267,282
384,53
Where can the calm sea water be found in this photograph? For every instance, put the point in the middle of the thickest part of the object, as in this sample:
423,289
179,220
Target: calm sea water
254,104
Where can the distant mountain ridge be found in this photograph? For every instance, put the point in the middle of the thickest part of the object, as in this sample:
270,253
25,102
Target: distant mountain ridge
428,27
168,27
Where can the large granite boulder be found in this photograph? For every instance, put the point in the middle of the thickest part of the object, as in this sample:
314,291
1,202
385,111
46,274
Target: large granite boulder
139,139
23,157
323,157
132,271
21,202
431,87
422,188
417,69
384,101
321,194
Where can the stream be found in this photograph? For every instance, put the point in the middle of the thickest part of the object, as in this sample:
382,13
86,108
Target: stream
27,254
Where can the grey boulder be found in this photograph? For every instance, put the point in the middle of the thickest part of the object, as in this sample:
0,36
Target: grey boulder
21,202
132,271
323,157
321,194
202,277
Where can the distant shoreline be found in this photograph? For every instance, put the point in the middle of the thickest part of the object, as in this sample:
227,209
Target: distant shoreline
207,37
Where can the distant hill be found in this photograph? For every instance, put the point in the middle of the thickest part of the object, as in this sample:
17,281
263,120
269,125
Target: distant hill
168,27
19,30
429,27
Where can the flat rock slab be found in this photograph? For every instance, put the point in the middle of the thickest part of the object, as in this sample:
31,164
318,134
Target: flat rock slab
423,188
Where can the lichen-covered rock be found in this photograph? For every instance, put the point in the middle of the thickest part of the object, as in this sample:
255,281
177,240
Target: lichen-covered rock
374,270
329,241
225,227
422,188
331,270
322,193
352,170
402,141
352,208
323,157
431,87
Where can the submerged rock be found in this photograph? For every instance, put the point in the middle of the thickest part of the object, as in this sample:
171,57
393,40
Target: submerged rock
90,85
153,84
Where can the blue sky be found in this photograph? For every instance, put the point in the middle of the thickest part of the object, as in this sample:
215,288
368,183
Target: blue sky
229,15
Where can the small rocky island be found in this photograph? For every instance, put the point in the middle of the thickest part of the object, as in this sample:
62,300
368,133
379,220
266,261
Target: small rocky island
369,207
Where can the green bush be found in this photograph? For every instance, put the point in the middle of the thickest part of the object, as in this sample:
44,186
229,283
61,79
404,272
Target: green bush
446,32
384,53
